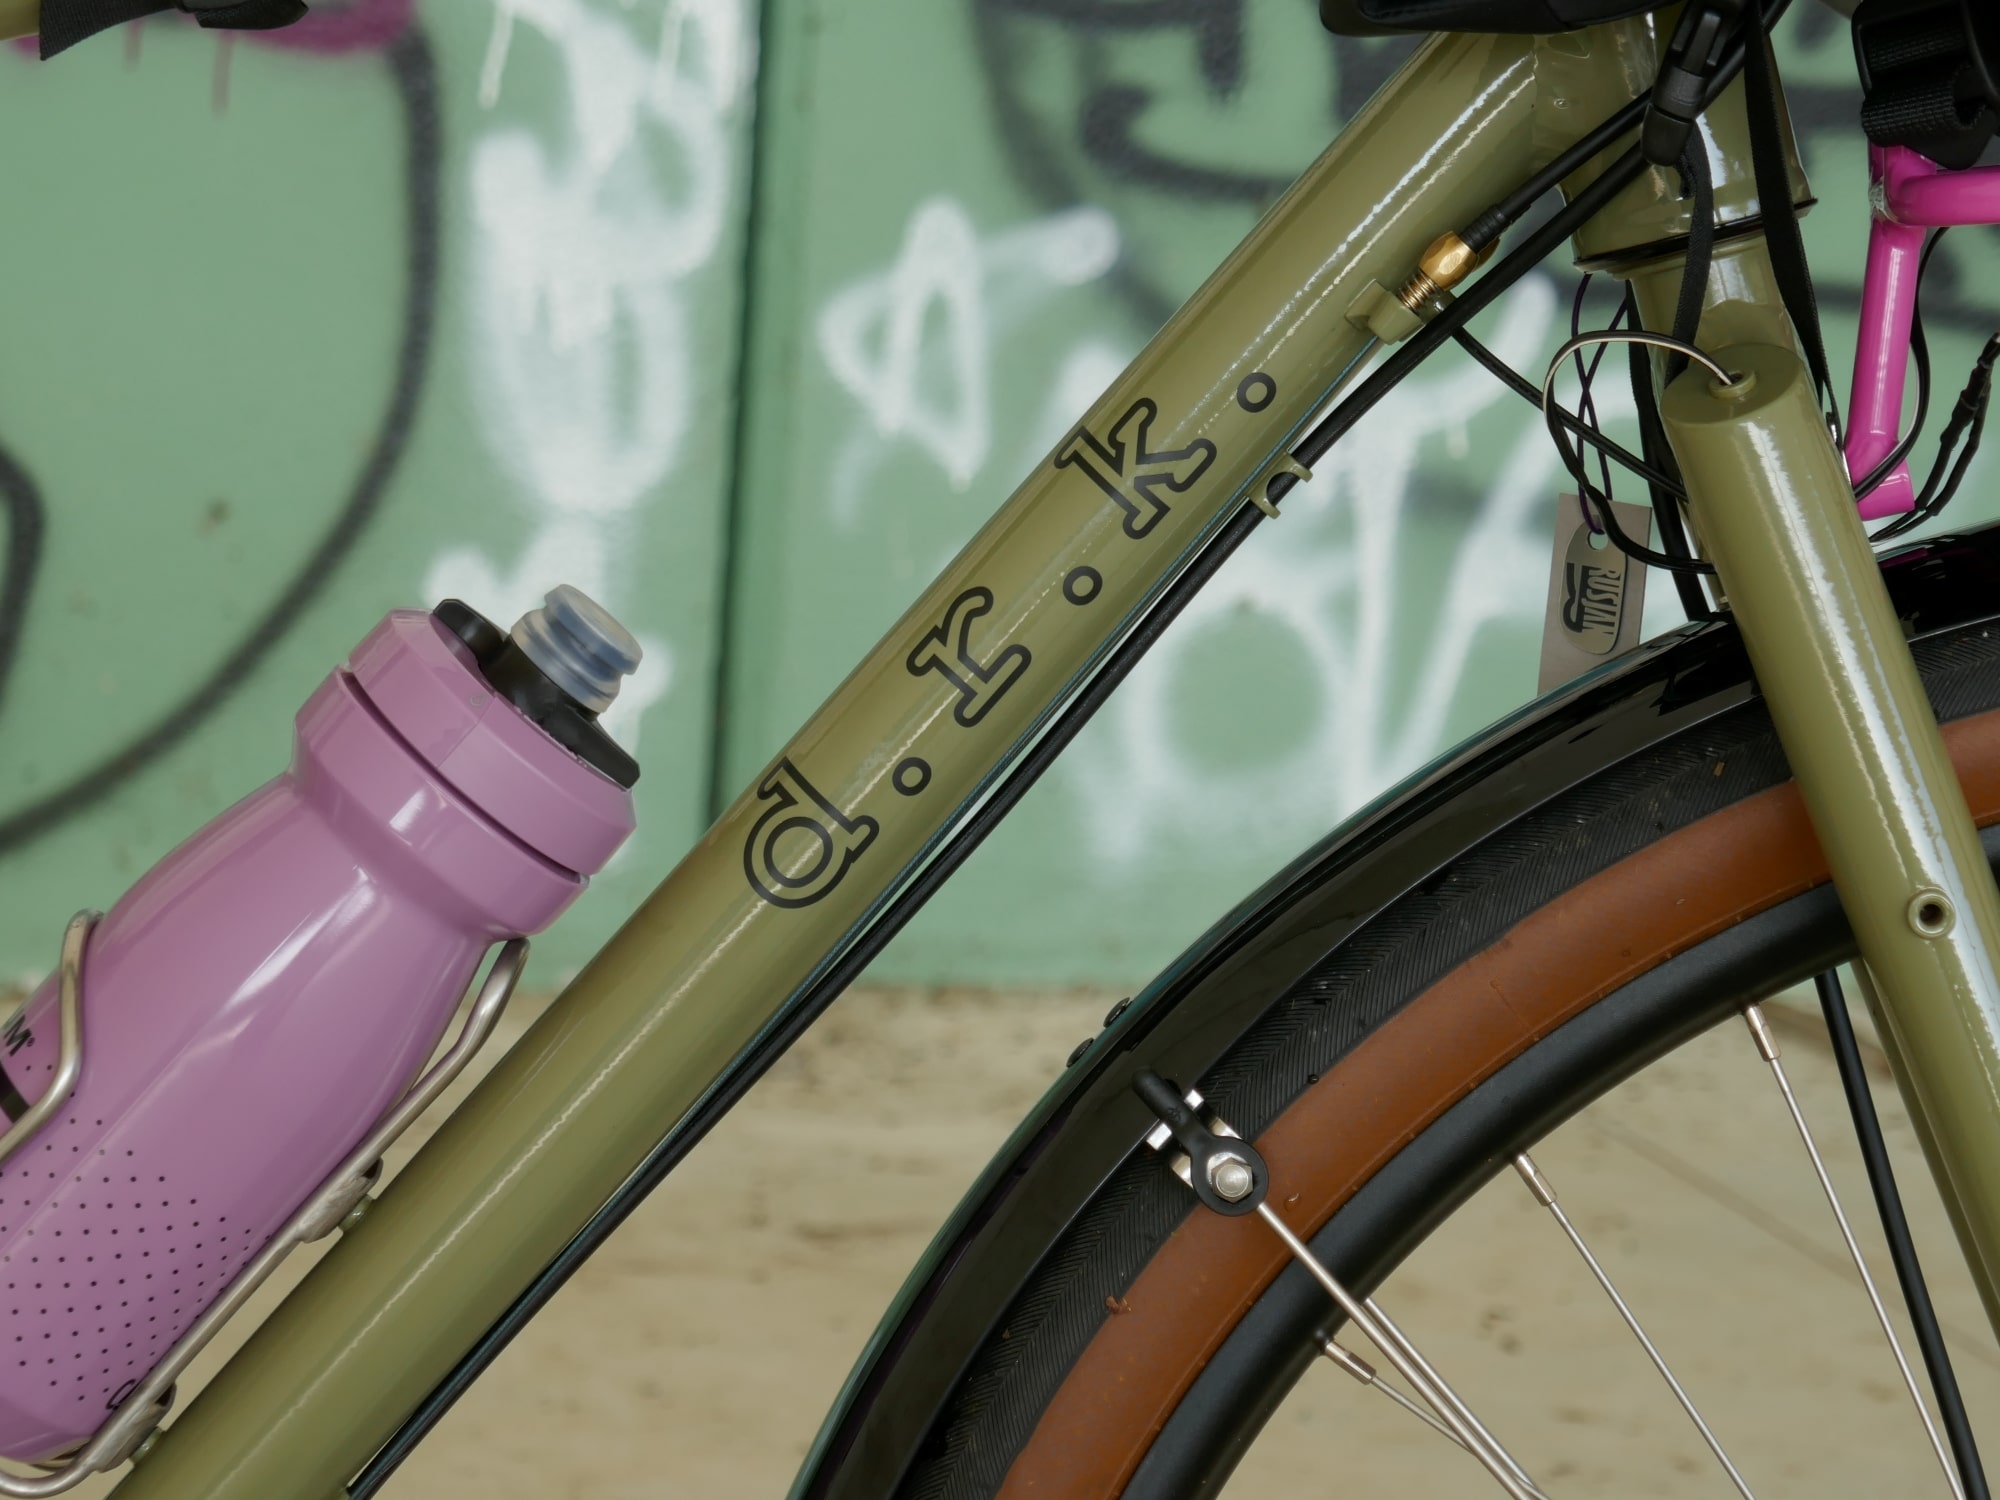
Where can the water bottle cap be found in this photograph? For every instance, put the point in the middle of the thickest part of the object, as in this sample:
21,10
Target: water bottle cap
579,645
421,679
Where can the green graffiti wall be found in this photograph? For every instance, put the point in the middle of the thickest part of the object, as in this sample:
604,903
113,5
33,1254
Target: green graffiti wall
474,296
974,214
411,300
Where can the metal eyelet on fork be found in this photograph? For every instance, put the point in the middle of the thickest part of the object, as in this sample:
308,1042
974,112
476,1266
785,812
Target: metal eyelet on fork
131,1427
1932,914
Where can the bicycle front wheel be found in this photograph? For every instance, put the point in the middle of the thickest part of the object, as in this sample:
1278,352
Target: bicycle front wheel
1461,969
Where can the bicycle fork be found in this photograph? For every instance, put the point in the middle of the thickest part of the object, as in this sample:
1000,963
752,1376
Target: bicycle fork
1770,498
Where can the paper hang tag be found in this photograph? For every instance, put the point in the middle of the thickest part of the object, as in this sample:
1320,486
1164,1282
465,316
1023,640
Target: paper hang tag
1597,595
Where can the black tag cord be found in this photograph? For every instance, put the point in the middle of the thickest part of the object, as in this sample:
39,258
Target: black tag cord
1774,197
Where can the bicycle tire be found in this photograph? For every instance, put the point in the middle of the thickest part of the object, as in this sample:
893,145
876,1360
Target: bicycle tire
1434,987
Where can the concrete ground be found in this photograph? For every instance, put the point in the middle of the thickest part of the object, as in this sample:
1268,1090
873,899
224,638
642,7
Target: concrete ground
696,1354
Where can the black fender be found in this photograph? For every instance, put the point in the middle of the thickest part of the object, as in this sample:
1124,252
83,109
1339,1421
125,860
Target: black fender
1090,1121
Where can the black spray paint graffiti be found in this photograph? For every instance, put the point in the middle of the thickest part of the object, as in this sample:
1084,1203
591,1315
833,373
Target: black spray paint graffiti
25,524
386,27
1063,160
1052,155
1094,145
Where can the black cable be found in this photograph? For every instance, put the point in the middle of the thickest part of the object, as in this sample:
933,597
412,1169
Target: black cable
1521,386
1920,353
1968,421
1934,500
1516,205
817,996
1473,300
1902,1248
1667,500
1620,538
1586,375
1698,183
1450,320
1765,109
1586,400
1510,210
1480,294
1920,350
1491,224
1573,460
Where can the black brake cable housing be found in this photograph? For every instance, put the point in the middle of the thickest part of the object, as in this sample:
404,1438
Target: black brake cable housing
1393,17
1930,76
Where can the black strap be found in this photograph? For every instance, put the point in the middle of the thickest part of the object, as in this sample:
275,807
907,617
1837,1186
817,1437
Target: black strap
64,23
67,22
1920,104
1699,185
1659,453
1927,79
1774,196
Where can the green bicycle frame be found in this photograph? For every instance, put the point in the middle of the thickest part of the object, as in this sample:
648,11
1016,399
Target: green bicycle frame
870,786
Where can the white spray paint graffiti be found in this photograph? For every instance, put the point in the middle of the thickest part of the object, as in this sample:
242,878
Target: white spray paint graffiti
1333,585
583,257
914,344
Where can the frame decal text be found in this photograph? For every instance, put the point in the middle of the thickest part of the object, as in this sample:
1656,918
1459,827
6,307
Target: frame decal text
1132,473
948,650
800,848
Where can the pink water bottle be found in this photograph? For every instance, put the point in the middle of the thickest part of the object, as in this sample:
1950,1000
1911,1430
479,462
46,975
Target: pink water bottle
268,990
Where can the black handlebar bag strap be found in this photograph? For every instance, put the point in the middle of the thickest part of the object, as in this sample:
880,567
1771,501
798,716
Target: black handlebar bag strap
1930,76
1527,17
67,22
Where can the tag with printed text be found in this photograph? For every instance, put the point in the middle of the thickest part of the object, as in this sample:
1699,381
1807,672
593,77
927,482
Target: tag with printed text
1597,594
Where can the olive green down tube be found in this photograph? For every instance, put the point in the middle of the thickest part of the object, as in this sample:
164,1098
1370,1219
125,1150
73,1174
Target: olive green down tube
814,847
1770,495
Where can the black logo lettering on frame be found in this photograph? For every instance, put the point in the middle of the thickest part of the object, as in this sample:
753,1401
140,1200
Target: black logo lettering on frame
1133,473
801,846
948,649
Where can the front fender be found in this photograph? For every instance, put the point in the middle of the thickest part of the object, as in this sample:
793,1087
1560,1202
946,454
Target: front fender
1089,1121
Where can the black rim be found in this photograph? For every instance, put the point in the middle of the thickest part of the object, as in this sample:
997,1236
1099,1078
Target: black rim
1473,1141
1308,1025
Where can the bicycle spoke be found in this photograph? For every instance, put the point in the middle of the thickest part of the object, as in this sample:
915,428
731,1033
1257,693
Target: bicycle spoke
1365,1373
1383,1333
1233,1180
1545,1194
1346,1359
1767,1047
